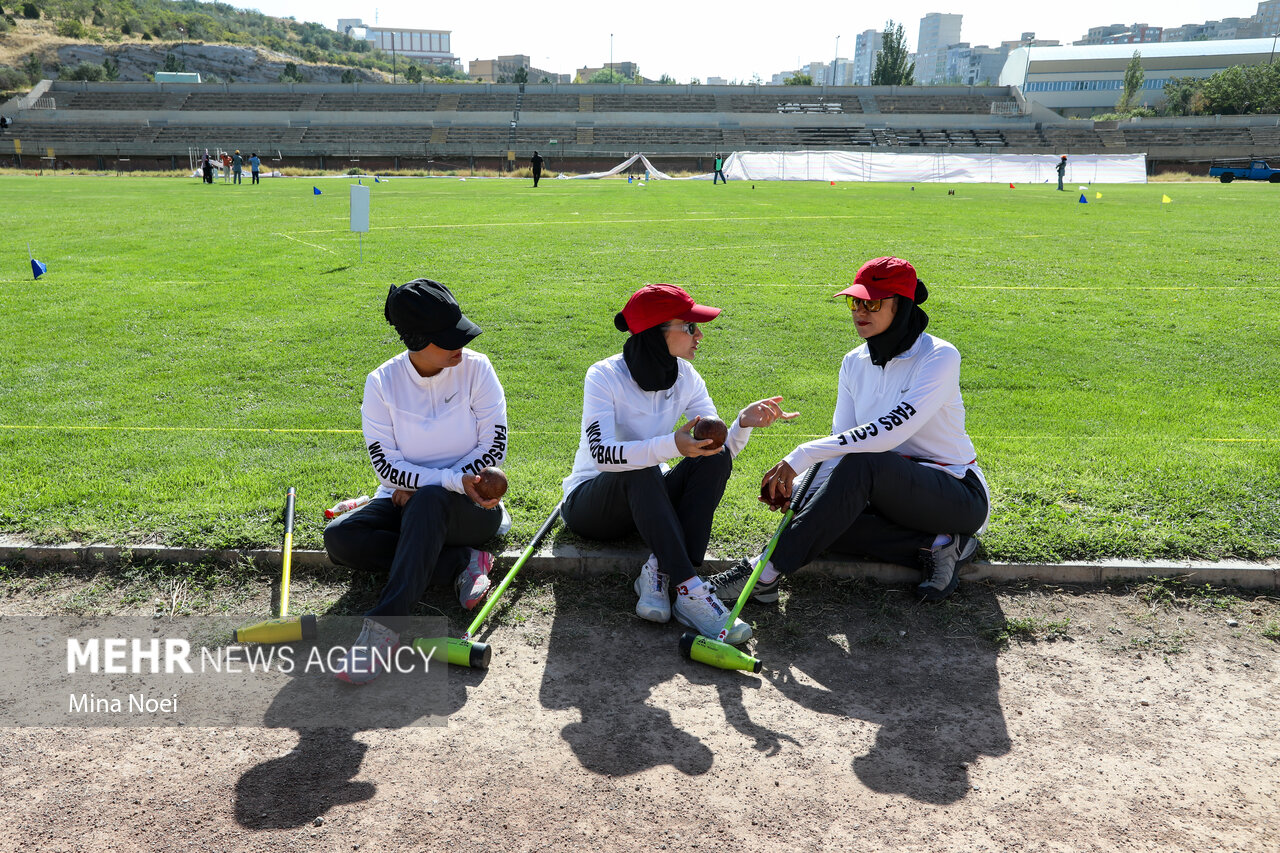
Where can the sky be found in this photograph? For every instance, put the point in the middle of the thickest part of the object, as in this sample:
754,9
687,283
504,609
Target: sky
734,41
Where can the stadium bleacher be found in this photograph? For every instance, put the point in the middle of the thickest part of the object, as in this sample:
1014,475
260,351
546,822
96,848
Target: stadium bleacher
433,120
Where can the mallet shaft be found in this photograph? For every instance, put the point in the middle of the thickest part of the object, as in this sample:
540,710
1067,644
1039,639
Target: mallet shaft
288,550
506,581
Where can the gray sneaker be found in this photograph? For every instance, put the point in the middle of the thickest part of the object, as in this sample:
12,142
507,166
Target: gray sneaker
943,565
706,615
651,586
730,582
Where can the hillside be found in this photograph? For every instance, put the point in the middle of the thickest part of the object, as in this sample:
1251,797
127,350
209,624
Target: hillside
132,39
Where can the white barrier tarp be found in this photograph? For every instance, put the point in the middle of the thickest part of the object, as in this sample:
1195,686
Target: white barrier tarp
654,174
934,168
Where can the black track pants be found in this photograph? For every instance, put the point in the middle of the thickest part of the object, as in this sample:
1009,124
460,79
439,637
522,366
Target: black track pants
882,506
422,544
672,513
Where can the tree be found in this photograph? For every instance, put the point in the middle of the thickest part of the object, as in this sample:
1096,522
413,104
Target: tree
33,68
348,76
606,75
87,71
798,80
110,68
173,63
1179,93
1133,79
666,80
521,75
291,74
30,11
893,65
413,74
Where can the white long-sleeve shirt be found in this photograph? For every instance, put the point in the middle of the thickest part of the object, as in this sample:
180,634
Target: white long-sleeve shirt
431,430
912,406
625,428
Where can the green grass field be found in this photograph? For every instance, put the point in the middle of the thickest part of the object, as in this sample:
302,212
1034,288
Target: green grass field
194,349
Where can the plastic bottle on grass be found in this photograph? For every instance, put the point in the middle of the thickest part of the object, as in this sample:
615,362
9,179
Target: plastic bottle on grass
345,506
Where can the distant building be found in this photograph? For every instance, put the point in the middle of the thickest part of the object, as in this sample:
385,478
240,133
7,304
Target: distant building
720,81
1227,28
1122,34
1029,40
627,69
1083,80
866,48
974,66
504,68
429,46
1268,18
937,33
836,73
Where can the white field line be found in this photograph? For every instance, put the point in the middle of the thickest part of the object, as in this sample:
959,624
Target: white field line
305,243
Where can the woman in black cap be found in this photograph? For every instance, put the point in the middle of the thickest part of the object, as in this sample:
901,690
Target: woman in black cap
433,417
620,484
899,480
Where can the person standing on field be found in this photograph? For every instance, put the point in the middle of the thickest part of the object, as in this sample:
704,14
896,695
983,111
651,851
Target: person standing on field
254,165
536,162
237,167
719,172
1062,170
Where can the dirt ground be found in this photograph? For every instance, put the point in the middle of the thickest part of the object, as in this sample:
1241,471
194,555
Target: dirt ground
1010,718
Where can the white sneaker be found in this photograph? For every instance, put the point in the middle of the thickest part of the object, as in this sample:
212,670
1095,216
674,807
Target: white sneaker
651,586
472,583
369,655
706,615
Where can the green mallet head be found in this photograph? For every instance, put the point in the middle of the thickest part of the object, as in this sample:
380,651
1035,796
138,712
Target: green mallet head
456,652
718,654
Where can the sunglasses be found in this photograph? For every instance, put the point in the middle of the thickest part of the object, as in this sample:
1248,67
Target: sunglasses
690,329
872,305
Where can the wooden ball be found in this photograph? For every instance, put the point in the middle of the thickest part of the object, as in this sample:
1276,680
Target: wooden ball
493,483
712,428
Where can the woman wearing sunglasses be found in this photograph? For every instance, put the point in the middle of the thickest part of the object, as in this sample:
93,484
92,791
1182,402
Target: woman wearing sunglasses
620,482
899,480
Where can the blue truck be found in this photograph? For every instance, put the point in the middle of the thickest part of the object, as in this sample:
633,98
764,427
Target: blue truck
1256,170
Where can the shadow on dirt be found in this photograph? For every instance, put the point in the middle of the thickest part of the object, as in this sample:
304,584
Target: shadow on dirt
924,676
316,776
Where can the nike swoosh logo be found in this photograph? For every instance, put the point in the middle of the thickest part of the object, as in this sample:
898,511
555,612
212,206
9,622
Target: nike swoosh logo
903,391
455,393
669,393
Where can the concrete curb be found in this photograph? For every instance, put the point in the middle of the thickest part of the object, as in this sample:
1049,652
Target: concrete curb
598,561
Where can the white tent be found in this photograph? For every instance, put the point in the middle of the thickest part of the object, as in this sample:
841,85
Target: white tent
989,168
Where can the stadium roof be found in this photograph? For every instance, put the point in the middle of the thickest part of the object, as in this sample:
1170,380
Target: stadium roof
1154,50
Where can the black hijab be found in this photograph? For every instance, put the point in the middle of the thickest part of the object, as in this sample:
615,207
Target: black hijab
651,363
903,332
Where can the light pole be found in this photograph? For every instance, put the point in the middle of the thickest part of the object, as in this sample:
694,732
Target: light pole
610,57
835,59
1272,58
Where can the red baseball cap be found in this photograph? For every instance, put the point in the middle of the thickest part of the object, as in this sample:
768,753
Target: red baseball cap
657,303
881,277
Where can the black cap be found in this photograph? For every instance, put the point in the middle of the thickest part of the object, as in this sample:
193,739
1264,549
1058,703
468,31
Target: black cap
425,312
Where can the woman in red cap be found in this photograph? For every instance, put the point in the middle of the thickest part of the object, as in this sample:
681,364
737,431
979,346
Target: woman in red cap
620,483
899,480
